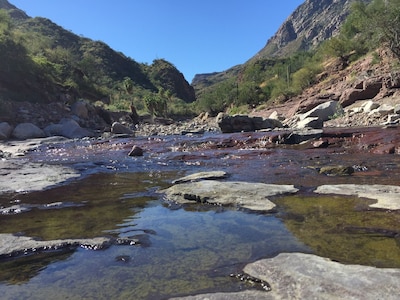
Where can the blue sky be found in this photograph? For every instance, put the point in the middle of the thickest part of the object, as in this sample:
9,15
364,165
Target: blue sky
200,36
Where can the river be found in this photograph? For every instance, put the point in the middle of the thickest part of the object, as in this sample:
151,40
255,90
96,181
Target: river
186,250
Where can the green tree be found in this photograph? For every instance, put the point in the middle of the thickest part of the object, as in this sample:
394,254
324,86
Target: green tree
156,104
128,85
385,15
5,23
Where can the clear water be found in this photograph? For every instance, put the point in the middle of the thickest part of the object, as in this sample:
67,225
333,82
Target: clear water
187,250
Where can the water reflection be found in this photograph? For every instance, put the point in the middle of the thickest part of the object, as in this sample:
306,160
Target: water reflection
186,251
182,250
344,229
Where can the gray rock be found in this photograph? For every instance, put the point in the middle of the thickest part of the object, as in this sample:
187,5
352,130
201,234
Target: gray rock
53,129
72,130
396,109
201,176
382,110
324,111
302,135
14,209
239,123
245,295
23,176
393,119
118,128
19,148
25,131
253,196
305,276
310,122
337,170
5,131
80,109
136,151
388,196
11,245
369,106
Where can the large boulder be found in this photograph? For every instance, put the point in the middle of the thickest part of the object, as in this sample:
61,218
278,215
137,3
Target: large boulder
306,276
5,131
118,128
324,111
363,90
80,109
244,123
310,122
68,128
25,131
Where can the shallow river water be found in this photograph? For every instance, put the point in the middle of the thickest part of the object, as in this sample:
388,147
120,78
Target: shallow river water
192,249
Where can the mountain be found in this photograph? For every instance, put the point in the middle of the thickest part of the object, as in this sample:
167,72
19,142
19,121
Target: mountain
41,61
311,23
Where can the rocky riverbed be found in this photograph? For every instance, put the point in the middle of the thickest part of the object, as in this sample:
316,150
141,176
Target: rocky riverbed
246,171
330,182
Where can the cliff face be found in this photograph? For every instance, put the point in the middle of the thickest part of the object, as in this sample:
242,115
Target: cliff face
311,23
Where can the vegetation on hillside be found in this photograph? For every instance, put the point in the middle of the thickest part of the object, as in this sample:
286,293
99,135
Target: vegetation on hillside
42,62
267,81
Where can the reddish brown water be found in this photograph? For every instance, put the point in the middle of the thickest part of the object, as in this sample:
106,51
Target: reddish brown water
190,250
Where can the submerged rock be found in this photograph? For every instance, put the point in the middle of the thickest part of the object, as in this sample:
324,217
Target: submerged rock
12,245
253,196
388,196
337,170
306,276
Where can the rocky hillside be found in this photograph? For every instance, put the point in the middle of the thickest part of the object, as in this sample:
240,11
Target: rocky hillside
311,23
41,61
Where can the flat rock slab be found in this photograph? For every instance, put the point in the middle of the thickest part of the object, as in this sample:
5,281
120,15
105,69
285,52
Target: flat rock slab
306,276
253,196
387,196
12,245
202,176
19,175
19,148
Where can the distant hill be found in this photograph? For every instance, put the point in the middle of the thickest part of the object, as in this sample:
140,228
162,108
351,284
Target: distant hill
41,61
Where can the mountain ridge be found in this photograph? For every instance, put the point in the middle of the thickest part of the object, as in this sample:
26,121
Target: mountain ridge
311,22
62,63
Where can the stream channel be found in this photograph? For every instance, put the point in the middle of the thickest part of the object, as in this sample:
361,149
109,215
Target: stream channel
192,249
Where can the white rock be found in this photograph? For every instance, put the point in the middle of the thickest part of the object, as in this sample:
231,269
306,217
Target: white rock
299,276
388,196
324,111
369,106
248,195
